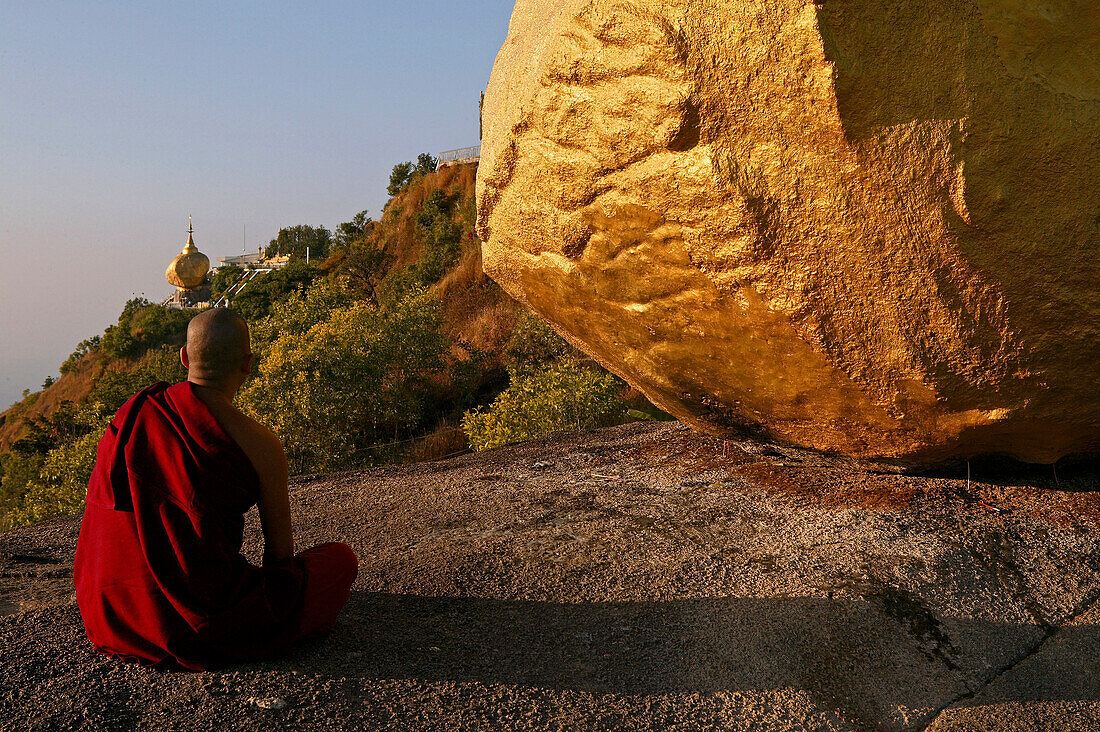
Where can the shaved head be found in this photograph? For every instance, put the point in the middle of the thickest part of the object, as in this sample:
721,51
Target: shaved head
217,344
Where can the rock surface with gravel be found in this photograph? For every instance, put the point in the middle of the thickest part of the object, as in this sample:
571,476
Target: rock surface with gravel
641,577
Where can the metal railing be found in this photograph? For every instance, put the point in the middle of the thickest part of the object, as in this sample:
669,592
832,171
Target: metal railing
454,156
248,276
243,260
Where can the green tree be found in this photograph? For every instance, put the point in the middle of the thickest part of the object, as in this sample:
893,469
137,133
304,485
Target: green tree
399,178
294,240
223,278
406,172
85,347
364,267
425,164
114,387
257,299
117,340
143,325
351,232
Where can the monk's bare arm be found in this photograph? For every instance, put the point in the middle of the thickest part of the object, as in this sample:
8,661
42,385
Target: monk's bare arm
275,503
267,456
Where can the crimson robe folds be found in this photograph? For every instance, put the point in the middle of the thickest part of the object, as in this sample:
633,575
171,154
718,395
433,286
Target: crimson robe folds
160,578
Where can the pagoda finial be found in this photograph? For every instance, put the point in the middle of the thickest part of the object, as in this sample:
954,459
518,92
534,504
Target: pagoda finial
190,238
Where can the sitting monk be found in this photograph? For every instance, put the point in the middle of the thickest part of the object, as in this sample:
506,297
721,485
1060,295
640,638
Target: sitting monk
160,578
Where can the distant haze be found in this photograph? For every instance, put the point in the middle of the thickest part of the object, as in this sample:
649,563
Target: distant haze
117,120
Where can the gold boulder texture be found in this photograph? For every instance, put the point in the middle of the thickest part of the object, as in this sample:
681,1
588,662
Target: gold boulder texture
871,228
188,270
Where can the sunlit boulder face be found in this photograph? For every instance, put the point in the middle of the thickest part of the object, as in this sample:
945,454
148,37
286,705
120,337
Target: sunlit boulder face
865,227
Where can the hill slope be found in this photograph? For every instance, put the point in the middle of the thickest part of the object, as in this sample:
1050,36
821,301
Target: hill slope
476,310
409,284
639,577
70,387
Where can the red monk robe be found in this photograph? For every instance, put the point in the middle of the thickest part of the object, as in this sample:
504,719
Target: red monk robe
159,574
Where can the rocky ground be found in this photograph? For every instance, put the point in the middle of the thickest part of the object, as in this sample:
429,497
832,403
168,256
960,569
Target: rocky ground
641,577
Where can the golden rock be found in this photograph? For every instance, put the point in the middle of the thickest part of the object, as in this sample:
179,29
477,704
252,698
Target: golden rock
872,228
190,267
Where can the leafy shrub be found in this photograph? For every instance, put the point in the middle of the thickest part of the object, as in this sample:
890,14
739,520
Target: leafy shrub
554,397
21,471
143,325
62,483
37,486
534,343
397,285
296,315
113,388
440,237
441,244
44,433
359,375
468,212
46,473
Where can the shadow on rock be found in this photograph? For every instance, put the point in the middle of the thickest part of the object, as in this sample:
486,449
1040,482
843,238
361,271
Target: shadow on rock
883,658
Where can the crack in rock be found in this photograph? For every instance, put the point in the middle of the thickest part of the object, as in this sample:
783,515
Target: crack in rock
1049,631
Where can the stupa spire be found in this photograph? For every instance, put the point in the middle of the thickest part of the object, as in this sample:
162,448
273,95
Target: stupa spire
190,238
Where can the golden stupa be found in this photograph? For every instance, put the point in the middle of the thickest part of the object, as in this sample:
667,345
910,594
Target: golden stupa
188,270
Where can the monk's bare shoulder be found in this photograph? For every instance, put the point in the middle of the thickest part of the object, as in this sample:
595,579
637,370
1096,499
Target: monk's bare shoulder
261,445
257,441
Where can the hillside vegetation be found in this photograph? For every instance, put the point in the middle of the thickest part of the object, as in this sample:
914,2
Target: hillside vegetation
390,344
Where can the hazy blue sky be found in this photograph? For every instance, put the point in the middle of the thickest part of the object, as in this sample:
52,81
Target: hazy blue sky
118,119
